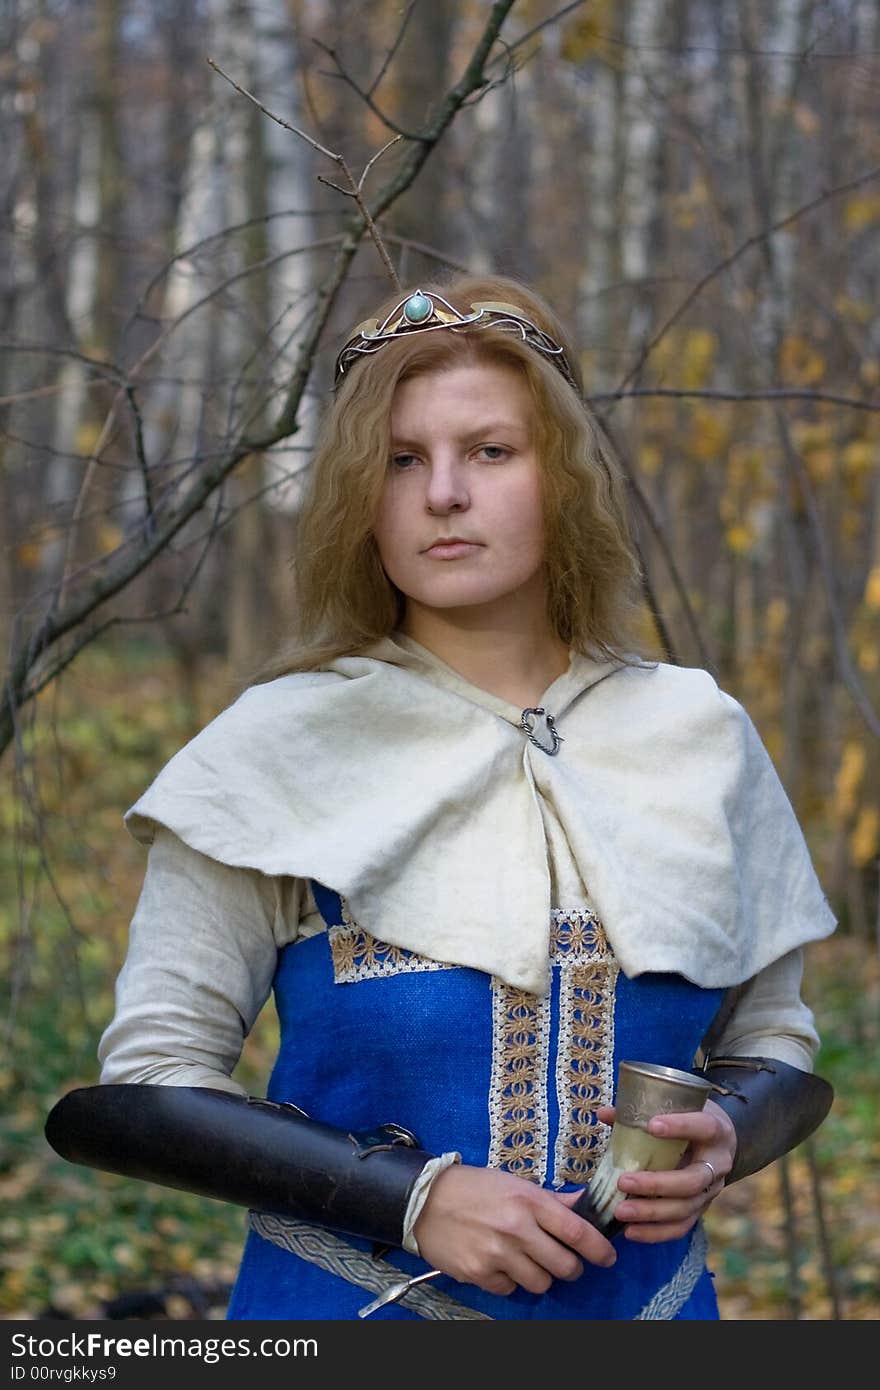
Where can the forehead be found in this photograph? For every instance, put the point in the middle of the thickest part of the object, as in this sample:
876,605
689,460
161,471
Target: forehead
464,394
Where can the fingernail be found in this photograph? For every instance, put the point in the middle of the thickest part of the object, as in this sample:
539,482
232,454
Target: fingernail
610,1259
658,1127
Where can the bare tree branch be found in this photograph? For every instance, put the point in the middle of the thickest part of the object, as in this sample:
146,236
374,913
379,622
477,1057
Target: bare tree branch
404,24
841,647
782,393
354,189
123,566
759,239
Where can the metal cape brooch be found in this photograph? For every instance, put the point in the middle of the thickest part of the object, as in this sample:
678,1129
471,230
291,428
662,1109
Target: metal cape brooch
426,313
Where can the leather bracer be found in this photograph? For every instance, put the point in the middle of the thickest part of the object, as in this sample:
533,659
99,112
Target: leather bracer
773,1106
255,1153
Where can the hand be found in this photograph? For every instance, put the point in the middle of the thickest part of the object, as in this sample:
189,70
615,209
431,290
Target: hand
487,1227
665,1205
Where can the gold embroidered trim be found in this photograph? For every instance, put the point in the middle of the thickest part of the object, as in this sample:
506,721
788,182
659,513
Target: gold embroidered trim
585,1051
358,956
518,1123
518,1089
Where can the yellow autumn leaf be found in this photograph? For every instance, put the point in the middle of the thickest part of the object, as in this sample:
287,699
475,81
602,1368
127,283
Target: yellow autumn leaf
86,437
665,355
872,589
650,459
28,555
684,216
645,628
707,436
799,362
864,841
698,357
849,777
739,464
110,537
811,434
869,371
820,464
728,508
861,211
869,657
774,742
860,455
739,539
860,310
776,616
585,36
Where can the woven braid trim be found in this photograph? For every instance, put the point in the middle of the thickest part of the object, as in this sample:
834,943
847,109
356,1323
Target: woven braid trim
669,1301
331,1253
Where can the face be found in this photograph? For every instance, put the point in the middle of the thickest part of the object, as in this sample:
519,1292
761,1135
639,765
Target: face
459,524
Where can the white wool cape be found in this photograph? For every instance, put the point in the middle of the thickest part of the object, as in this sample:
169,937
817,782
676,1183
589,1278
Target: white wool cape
390,779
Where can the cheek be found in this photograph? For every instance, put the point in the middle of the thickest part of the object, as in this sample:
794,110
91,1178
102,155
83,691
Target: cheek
529,520
389,527
383,521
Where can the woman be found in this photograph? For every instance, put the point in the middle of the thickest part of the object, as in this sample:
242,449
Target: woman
482,852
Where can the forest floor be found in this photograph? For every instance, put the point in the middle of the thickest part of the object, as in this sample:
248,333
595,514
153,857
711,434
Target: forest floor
799,1240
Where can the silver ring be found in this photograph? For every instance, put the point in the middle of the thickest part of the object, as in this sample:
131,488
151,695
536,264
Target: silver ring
708,1165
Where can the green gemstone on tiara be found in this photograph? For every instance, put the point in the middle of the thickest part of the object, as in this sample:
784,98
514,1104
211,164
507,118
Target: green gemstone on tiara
417,308
422,313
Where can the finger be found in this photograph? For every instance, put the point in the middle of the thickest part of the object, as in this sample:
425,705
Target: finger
648,1233
558,1259
574,1232
660,1211
698,1126
708,1176
697,1179
545,1260
499,1283
528,1275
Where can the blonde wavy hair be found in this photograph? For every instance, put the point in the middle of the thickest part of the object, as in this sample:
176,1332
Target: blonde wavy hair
345,602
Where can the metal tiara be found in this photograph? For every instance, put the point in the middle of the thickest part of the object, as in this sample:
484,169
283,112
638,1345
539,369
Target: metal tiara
427,312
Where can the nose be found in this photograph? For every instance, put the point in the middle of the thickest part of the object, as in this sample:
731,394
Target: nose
447,488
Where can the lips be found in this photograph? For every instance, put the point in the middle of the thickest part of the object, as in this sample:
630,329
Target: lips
451,547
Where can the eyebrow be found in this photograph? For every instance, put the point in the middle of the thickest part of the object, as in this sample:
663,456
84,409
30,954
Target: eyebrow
491,427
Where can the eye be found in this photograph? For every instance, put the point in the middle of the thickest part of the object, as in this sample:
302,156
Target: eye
495,453
403,460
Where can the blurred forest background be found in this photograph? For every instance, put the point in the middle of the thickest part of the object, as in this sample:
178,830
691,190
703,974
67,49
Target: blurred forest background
695,185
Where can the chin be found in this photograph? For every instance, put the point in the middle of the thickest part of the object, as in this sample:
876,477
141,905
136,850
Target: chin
457,596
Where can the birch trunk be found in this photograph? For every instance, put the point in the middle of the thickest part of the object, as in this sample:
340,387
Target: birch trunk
601,322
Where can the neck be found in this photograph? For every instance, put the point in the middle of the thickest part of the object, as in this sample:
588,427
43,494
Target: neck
515,661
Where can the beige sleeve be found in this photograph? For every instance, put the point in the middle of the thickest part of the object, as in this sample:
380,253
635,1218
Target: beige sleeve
771,1019
202,953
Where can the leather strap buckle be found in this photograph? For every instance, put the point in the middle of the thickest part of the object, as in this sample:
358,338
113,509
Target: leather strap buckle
383,1138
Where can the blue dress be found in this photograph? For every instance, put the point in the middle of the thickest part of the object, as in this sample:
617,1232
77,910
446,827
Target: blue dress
507,1078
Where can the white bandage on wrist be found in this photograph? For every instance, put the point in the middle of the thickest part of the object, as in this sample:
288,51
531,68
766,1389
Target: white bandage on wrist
419,1196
